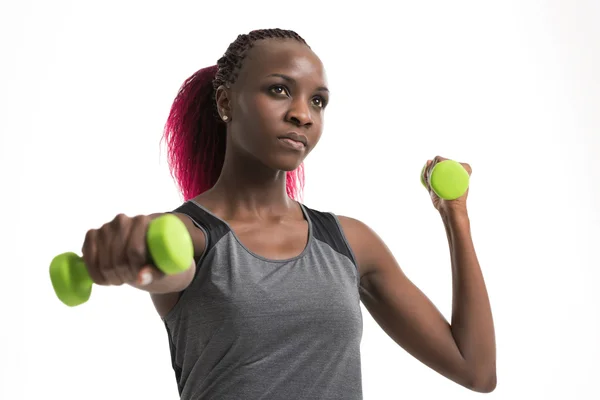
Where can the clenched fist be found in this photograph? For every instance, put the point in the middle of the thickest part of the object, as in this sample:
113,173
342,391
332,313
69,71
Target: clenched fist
117,252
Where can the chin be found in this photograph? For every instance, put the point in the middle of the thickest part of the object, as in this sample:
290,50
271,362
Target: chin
289,167
286,163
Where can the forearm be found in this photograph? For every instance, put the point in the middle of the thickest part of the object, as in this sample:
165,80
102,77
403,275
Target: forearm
472,323
162,284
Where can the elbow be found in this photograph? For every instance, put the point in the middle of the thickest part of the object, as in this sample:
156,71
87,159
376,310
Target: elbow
483,383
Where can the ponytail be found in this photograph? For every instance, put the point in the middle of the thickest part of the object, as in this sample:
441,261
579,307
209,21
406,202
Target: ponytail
196,138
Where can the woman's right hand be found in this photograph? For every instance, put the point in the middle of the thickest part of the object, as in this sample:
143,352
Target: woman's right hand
117,253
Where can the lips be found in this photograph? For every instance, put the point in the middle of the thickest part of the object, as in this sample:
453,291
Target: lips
296,137
291,144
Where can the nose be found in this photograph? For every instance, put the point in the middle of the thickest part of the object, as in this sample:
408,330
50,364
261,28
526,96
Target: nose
299,113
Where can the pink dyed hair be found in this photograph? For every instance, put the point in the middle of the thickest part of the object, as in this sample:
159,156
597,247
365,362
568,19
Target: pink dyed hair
195,137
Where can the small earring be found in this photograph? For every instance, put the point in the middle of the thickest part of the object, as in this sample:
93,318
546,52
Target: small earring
225,117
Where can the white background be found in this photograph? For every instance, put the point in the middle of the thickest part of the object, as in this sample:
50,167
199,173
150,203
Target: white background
512,87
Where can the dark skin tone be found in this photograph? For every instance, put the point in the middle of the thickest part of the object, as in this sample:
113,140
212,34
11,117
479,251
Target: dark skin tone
281,88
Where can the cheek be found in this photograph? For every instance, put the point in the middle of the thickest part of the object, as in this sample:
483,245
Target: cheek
267,111
253,125
260,112
318,127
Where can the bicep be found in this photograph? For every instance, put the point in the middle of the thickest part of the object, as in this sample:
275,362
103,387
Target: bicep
399,307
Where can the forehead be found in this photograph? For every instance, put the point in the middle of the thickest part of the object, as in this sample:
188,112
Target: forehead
284,56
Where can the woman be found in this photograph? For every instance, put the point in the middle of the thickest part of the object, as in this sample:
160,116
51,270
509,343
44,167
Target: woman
271,307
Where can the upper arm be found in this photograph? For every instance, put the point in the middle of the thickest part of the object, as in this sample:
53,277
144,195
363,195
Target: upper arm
166,291
399,306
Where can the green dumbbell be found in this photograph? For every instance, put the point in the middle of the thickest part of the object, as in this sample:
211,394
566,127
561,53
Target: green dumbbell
169,244
448,179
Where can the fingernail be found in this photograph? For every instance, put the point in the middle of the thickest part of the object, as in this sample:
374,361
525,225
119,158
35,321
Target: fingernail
145,278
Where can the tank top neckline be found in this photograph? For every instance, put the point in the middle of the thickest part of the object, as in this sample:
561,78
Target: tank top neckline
258,256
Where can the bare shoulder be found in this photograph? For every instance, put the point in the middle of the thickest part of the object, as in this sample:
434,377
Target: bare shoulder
367,246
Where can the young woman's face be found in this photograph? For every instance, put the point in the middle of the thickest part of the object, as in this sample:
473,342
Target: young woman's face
278,102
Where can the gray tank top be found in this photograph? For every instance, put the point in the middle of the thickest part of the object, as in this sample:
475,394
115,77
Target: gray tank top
250,328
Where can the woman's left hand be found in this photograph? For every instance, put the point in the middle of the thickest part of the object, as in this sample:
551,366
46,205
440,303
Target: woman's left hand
459,204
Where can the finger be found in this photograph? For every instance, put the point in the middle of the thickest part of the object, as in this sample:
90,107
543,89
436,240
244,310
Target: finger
148,274
430,168
431,164
436,160
115,277
467,167
427,173
105,264
125,272
90,257
424,174
121,227
136,252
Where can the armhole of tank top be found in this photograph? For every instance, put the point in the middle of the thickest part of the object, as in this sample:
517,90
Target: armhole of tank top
345,239
183,293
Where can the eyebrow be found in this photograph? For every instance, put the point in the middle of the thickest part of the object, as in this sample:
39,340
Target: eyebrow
292,80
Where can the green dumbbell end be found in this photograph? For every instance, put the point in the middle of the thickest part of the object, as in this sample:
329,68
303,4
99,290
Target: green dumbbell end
70,279
170,244
449,180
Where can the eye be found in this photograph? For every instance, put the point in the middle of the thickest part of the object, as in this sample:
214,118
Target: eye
319,102
279,89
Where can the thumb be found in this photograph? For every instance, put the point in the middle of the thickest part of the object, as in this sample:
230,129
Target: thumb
148,274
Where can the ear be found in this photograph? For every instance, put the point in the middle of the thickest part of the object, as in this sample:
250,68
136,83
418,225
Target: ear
223,96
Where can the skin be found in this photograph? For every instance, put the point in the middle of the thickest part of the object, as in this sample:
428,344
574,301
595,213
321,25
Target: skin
250,195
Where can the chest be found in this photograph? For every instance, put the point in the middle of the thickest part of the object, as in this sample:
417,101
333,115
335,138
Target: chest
248,291
273,240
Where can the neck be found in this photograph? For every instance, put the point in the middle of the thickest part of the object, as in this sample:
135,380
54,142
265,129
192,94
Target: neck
249,187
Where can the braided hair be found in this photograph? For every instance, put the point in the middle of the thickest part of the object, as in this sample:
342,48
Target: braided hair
194,133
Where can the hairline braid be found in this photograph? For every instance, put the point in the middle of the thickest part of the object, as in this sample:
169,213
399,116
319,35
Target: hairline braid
230,63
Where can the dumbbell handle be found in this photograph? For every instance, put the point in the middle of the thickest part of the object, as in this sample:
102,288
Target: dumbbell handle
170,246
448,179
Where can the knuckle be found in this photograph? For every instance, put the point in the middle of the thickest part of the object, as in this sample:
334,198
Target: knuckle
120,220
136,254
94,272
103,232
141,219
118,282
98,279
90,235
89,242
109,274
115,257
